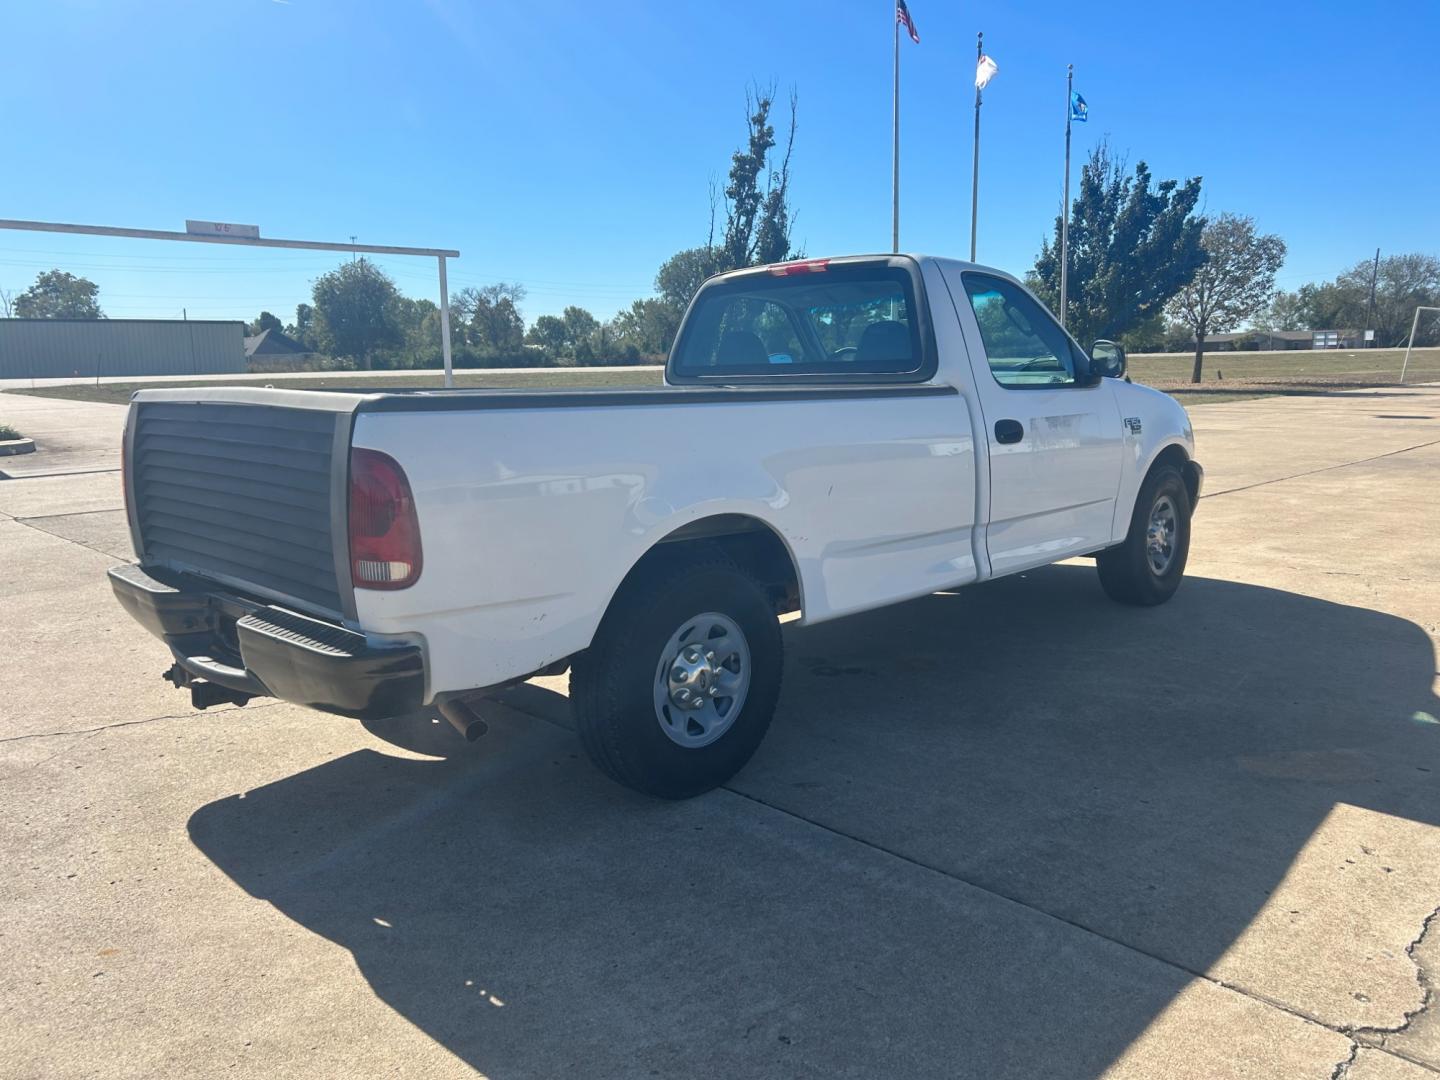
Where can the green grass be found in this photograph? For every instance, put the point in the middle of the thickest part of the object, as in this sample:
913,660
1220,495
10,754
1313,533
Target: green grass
1299,365
1229,376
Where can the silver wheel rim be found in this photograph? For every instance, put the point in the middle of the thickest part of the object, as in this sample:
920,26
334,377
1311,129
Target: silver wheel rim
1160,535
702,680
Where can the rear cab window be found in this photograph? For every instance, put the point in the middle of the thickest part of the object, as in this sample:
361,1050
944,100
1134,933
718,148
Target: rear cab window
814,321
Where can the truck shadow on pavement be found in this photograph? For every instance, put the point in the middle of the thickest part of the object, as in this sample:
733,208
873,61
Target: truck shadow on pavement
991,833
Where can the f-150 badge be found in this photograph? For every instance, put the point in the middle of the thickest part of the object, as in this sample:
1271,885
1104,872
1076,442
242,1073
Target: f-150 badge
1133,423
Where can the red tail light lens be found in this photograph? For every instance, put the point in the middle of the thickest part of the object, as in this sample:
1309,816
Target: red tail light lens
384,529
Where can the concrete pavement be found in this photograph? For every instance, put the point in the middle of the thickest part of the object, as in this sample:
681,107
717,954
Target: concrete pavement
70,436
1016,831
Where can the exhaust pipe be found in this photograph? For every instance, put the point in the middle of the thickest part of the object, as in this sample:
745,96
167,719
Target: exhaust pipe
463,718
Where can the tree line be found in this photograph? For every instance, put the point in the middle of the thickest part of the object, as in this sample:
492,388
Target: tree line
1146,268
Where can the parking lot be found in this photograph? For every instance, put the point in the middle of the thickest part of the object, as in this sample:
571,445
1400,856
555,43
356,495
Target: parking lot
1015,831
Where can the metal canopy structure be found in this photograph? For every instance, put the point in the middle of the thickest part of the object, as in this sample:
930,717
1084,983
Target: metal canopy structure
439,254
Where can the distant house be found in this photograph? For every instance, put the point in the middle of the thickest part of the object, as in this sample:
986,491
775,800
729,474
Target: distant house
1281,340
274,348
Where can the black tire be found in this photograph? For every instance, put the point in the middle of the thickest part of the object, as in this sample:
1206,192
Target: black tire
612,683
1126,572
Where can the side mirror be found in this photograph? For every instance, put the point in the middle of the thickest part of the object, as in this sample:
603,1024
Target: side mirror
1107,359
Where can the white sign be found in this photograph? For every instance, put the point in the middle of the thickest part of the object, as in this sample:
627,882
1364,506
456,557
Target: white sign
1369,335
222,228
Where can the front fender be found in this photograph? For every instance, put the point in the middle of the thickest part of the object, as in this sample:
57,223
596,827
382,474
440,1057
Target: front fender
1155,424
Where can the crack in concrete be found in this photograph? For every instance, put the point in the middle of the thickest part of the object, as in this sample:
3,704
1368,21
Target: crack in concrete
73,513
1322,469
52,476
132,723
1342,1068
1427,991
69,539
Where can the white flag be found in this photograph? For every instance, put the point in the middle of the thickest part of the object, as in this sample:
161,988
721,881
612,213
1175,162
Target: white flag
984,71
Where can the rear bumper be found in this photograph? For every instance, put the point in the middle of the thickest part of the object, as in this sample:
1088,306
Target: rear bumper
258,650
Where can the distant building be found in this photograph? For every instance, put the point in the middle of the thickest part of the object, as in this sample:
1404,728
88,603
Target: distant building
273,348
67,348
1281,340
1338,339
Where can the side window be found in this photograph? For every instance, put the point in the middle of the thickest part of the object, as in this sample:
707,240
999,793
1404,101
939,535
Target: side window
1025,346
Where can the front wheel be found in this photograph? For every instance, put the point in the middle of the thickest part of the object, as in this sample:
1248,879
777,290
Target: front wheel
677,689
1147,568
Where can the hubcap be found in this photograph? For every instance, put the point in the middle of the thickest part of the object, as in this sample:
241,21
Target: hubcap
702,679
1160,535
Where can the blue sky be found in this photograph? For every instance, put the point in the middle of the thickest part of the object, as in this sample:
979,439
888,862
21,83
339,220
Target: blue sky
569,145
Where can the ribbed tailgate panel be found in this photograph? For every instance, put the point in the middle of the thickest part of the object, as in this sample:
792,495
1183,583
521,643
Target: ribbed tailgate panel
239,490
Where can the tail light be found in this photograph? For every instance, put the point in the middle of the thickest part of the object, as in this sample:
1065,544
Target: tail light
384,529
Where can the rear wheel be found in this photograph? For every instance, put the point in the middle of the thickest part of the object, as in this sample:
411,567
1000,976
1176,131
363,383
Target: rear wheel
1148,567
678,688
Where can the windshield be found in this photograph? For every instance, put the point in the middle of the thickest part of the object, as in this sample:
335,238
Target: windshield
844,320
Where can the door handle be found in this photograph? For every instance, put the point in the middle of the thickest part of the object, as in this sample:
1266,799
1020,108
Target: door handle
1009,431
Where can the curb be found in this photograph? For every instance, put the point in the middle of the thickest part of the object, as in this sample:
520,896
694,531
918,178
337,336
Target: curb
17,446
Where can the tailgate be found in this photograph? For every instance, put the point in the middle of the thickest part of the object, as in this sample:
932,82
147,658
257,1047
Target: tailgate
246,488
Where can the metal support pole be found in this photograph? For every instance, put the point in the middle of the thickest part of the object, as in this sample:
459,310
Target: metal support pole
895,153
1370,307
975,173
1414,326
445,324
1065,206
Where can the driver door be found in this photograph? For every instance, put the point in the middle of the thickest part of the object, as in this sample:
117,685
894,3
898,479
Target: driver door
1055,444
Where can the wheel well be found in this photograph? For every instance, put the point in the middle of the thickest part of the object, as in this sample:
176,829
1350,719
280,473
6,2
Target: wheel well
1175,455
749,542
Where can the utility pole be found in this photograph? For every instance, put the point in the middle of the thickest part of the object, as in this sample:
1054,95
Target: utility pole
1370,307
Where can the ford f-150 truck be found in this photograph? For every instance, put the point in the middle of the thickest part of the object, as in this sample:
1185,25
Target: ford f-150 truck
831,435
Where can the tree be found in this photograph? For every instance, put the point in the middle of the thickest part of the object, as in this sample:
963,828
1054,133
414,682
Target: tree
549,333
58,295
757,197
303,328
264,321
1133,246
580,325
681,275
7,303
1286,312
648,326
571,334
1236,280
490,317
355,312
1402,283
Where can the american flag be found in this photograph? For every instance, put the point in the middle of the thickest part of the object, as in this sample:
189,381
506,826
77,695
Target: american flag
902,16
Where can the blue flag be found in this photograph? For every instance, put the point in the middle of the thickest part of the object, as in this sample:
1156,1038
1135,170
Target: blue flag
1079,111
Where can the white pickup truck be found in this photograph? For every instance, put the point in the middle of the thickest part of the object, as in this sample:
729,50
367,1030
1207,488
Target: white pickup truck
832,435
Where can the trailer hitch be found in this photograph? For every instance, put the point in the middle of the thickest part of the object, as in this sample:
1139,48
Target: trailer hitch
203,692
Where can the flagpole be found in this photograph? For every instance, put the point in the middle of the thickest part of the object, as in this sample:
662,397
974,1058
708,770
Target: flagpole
975,175
1065,209
895,151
